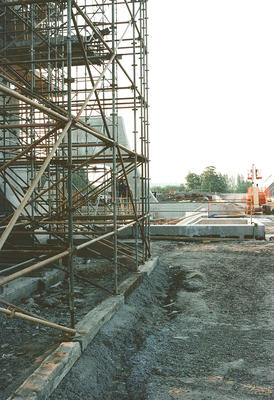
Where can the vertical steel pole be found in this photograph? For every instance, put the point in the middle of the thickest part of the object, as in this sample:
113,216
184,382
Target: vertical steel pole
57,96
32,111
114,136
142,120
4,119
49,85
147,127
69,188
134,65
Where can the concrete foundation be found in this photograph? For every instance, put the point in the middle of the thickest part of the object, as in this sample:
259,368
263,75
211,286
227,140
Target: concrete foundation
217,228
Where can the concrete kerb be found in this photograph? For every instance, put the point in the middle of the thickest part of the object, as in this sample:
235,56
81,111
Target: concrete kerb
90,325
134,280
129,284
149,266
45,379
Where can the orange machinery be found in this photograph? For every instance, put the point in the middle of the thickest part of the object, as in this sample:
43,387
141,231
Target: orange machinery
258,200
255,199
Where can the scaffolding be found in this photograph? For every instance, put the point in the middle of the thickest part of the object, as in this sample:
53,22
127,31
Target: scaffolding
72,75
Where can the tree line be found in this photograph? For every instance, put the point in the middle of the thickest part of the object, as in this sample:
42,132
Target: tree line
208,181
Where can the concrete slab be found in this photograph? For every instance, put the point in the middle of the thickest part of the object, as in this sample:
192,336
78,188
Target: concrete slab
19,289
22,288
51,277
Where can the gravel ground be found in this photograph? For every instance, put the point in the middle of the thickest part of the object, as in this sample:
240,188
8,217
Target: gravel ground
220,344
201,327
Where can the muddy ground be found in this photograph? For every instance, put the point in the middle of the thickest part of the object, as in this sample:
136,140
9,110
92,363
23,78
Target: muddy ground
201,327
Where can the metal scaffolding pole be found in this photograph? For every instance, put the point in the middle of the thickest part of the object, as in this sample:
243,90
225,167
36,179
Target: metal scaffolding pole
70,87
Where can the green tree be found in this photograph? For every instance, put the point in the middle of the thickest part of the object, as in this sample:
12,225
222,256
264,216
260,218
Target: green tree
173,188
211,181
168,188
242,184
157,189
231,186
193,181
181,188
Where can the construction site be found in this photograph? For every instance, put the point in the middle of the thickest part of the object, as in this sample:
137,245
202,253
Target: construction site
107,292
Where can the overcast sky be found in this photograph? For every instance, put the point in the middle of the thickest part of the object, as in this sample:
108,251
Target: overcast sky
211,87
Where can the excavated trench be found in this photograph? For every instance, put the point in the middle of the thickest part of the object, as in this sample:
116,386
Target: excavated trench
105,369
200,327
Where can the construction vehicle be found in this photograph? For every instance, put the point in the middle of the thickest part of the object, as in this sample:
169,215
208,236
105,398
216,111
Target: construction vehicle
258,200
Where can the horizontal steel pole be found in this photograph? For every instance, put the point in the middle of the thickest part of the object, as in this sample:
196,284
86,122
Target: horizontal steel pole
83,245
93,27
56,257
21,97
34,267
22,126
27,149
62,179
19,224
85,220
27,251
16,266
24,2
78,124
44,322
19,309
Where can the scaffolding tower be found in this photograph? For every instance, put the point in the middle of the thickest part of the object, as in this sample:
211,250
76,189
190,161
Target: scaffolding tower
73,74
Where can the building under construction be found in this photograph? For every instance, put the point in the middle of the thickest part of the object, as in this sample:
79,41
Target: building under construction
73,82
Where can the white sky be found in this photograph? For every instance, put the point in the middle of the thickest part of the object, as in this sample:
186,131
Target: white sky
211,87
